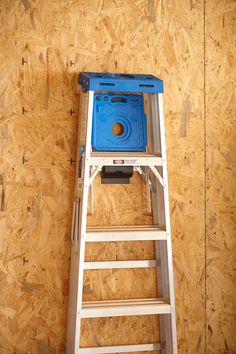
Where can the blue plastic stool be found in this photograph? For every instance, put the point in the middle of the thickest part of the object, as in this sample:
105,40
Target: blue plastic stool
119,123
120,82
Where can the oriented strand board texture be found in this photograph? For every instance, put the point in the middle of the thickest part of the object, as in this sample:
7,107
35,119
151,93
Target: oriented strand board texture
43,46
57,40
221,176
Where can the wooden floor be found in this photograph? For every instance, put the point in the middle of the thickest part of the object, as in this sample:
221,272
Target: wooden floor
43,46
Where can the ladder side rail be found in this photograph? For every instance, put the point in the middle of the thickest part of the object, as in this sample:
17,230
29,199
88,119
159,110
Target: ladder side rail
158,199
83,217
159,218
74,262
156,148
83,221
169,320
72,309
91,194
166,192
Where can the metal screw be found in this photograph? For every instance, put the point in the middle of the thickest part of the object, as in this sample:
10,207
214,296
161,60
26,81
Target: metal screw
24,160
25,260
24,110
71,111
24,61
72,161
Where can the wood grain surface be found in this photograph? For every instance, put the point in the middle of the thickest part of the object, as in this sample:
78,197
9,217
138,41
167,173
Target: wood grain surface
43,47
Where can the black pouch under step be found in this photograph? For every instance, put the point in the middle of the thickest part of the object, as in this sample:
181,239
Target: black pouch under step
116,174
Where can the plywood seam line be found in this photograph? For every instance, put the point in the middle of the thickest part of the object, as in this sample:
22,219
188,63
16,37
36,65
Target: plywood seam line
205,167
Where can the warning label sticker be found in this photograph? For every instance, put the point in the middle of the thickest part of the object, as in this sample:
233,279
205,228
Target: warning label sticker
124,162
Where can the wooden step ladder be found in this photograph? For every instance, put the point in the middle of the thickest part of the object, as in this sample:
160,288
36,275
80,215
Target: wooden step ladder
152,165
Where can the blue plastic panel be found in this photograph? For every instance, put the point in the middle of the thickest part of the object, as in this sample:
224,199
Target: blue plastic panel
120,82
125,112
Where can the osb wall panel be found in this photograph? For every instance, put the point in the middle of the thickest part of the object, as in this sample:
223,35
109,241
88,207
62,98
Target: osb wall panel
221,176
43,47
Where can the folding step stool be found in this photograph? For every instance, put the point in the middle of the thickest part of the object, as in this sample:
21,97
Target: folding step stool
152,165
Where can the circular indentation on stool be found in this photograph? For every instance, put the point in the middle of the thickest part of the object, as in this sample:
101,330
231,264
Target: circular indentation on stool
117,129
98,98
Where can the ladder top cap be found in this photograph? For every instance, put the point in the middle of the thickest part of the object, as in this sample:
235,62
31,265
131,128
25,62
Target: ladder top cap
120,82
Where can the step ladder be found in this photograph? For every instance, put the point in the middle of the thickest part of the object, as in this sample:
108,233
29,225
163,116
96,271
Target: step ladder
152,166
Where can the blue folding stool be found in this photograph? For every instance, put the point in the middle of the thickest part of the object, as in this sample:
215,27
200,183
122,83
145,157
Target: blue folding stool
124,112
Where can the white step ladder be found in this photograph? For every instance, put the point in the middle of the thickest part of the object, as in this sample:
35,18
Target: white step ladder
152,165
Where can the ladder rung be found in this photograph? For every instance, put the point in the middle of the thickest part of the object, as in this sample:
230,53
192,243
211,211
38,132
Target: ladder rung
121,349
125,159
112,308
122,264
125,233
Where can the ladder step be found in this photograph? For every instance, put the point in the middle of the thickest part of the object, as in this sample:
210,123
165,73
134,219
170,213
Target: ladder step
121,349
125,158
111,308
126,233
122,264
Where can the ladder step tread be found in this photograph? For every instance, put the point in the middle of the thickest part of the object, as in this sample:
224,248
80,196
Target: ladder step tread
121,349
122,264
125,233
109,308
126,228
126,158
